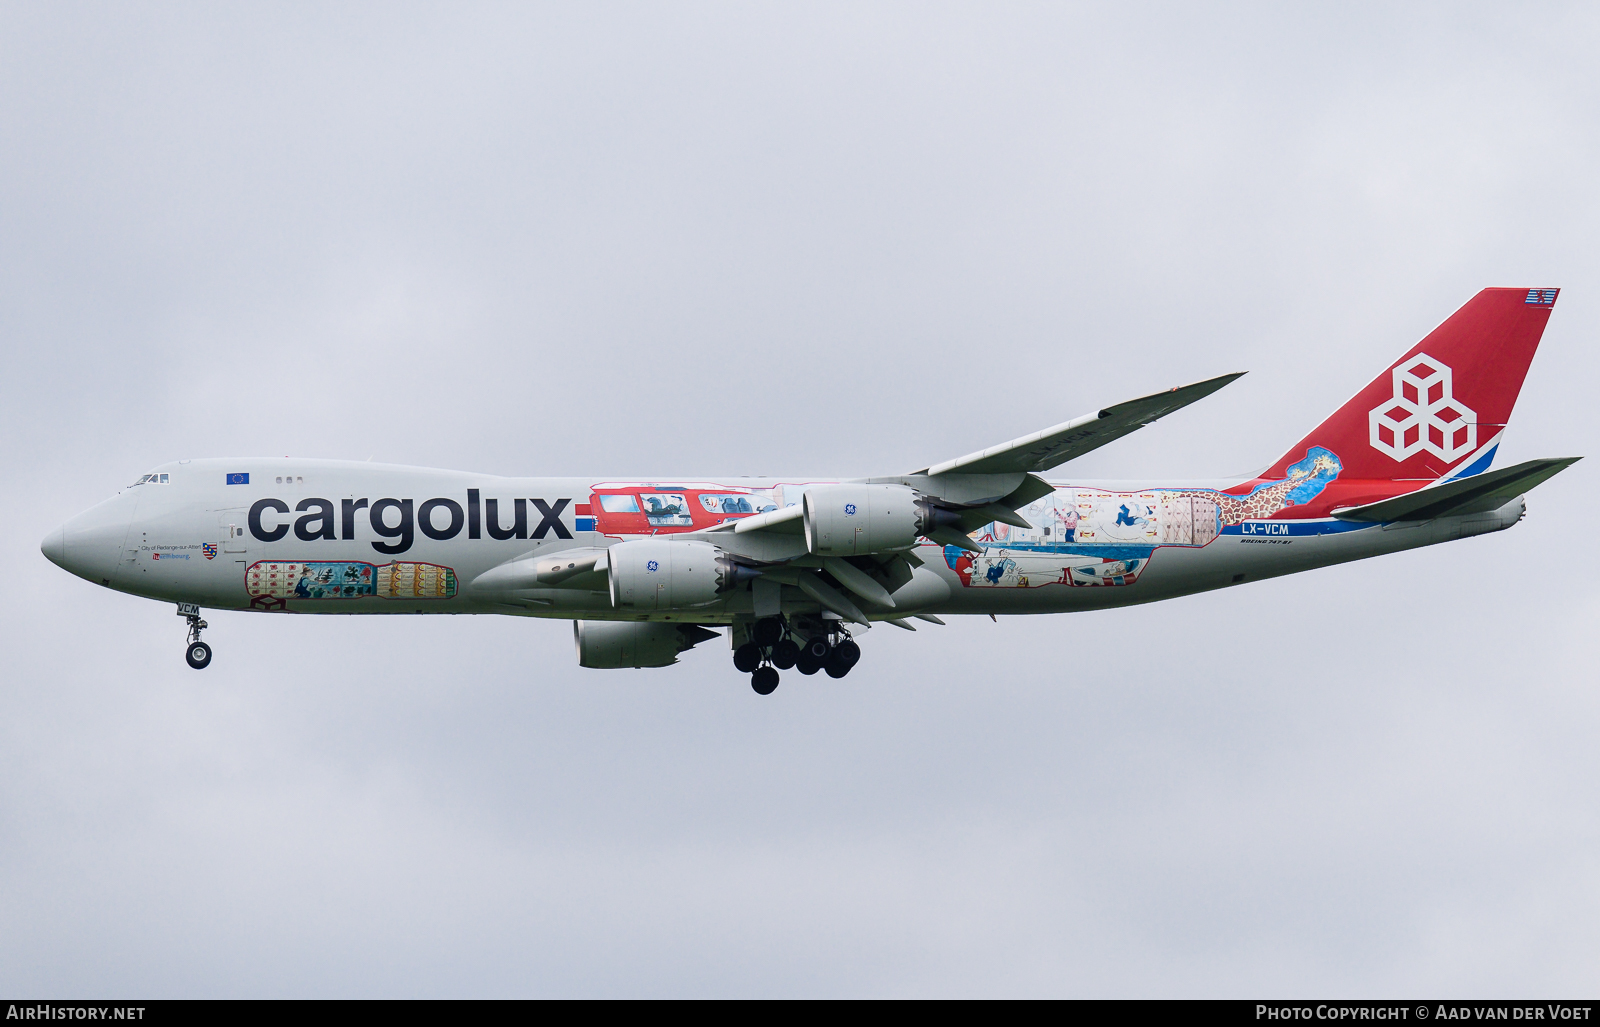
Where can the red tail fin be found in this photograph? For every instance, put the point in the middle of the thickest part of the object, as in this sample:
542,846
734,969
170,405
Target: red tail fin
1439,410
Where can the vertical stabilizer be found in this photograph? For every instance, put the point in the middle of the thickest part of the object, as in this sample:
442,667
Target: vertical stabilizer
1439,410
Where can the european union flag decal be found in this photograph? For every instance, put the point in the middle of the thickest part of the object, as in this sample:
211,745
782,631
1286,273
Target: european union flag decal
239,479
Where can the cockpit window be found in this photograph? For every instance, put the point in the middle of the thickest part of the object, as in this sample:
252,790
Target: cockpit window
152,479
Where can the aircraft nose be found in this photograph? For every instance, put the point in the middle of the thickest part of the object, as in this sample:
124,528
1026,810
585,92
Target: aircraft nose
90,545
54,547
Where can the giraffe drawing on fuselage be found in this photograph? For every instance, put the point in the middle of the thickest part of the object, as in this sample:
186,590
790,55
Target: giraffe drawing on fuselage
1305,482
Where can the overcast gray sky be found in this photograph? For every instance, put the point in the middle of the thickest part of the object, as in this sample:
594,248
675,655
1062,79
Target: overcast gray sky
721,239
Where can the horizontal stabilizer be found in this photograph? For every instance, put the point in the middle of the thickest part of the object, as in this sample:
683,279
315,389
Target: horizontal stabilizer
1045,449
1477,494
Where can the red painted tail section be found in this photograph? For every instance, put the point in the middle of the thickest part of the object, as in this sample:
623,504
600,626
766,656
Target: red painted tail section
1439,409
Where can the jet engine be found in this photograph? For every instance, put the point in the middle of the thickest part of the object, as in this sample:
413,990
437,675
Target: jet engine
856,520
610,645
650,574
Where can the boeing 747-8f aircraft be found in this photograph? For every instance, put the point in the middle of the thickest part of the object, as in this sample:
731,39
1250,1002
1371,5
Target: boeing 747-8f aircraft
793,567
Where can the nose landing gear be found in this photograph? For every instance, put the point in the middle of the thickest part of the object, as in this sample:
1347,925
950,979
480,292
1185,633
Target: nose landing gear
198,654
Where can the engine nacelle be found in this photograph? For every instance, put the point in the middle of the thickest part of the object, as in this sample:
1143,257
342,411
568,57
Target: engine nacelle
649,574
612,645
855,520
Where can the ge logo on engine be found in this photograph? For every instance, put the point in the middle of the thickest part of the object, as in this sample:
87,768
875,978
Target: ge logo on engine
849,509
652,566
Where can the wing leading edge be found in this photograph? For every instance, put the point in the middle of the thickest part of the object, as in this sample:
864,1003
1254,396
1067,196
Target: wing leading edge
1056,445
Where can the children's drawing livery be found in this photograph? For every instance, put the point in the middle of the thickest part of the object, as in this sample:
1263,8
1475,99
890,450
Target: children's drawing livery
290,579
1092,537
791,568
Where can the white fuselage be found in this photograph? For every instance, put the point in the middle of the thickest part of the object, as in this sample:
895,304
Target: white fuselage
323,536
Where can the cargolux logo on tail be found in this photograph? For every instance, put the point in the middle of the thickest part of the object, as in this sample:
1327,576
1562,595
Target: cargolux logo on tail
1423,415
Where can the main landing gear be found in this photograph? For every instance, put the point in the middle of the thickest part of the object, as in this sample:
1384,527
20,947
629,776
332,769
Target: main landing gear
198,654
771,649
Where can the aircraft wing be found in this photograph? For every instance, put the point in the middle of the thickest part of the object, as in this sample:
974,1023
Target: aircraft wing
1477,494
1045,449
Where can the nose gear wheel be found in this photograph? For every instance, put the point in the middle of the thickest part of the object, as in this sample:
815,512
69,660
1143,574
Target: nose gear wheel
197,654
